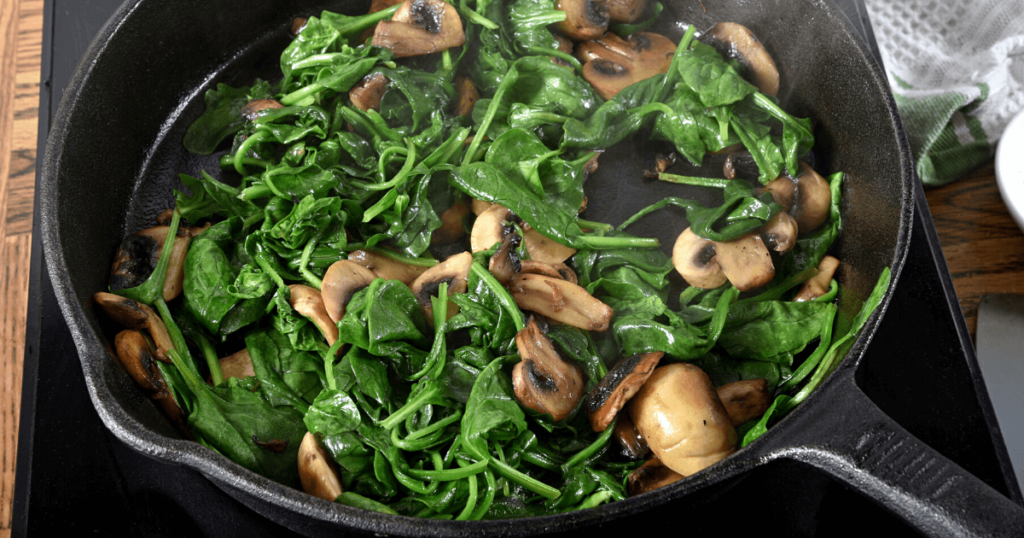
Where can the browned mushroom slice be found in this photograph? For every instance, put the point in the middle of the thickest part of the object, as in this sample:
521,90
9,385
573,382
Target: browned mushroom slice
139,254
505,262
745,400
298,25
650,476
386,267
452,228
818,284
317,472
135,315
545,249
660,164
694,257
737,41
367,93
308,302
584,19
780,232
252,109
136,357
420,27
342,280
479,206
631,443
814,202
543,380
561,301
375,6
489,227
617,386
611,63
534,267
745,261
783,191
238,365
454,271
625,10
564,45
679,414
466,96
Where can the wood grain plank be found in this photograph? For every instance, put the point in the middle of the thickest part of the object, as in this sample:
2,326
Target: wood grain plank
8,83
16,252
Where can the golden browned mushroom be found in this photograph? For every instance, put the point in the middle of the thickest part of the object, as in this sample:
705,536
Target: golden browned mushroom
564,45
479,206
489,227
454,271
420,27
136,357
625,10
452,228
650,476
745,400
308,302
298,25
252,109
543,380
780,232
317,472
135,315
543,248
679,414
505,262
553,270
694,257
139,254
367,93
584,19
818,284
745,262
561,301
738,42
619,385
660,164
612,63
807,197
631,443
466,96
386,267
342,280
238,365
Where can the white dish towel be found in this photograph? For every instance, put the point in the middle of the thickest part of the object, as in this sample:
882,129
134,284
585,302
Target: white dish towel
956,68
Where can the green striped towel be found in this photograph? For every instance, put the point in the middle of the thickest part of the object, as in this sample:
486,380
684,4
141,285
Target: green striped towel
957,73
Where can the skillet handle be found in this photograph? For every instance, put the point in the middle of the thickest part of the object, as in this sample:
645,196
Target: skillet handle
851,439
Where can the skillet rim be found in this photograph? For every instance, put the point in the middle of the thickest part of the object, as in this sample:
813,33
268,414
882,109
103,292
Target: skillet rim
227,473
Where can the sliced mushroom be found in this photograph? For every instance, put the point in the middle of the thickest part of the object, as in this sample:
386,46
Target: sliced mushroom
660,164
745,400
489,227
544,249
386,267
564,45
454,271
452,228
420,27
505,262
135,315
818,284
375,6
237,365
308,302
619,385
317,472
557,270
342,280
136,357
611,63
584,19
252,109
298,25
780,232
625,10
367,93
479,206
738,42
139,254
650,476
694,257
543,380
466,96
745,261
812,206
783,191
631,443
561,301
679,414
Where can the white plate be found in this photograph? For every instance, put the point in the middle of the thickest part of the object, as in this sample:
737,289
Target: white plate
1010,168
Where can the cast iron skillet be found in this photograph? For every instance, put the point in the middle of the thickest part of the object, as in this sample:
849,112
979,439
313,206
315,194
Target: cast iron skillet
115,150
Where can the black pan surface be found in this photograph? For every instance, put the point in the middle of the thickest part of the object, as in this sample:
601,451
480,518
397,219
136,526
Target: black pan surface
114,154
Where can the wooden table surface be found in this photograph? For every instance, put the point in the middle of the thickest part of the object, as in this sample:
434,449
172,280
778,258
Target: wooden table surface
983,246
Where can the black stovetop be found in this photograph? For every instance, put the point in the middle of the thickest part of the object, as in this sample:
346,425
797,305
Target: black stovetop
72,473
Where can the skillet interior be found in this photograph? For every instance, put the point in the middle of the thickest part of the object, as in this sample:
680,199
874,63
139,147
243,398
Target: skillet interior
115,153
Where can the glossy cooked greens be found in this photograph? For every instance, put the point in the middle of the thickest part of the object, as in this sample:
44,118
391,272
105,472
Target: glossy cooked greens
419,415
